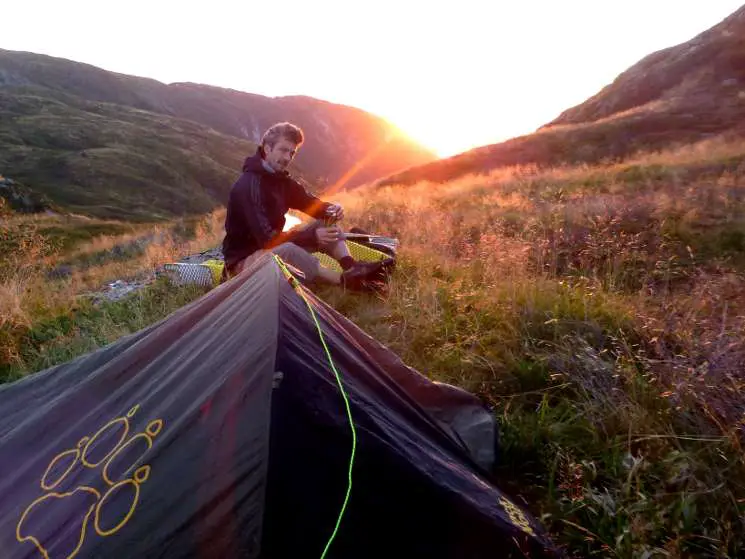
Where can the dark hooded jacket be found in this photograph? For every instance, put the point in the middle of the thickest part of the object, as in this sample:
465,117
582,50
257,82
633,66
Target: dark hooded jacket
258,202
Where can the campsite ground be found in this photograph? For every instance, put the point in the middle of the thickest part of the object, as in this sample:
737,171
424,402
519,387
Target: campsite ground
600,310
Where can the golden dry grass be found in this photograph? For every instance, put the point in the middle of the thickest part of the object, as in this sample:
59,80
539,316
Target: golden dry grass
600,310
30,291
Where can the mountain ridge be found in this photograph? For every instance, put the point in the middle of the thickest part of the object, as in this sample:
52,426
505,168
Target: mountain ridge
718,52
678,95
337,135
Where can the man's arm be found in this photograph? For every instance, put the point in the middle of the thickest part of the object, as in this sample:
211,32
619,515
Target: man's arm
299,198
247,197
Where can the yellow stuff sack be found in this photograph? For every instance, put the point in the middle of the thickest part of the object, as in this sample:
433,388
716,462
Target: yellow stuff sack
216,268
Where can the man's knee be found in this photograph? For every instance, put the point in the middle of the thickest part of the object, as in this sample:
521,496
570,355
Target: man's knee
298,257
331,248
288,250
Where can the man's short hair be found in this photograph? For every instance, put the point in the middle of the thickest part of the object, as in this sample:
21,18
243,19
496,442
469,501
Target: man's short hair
285,130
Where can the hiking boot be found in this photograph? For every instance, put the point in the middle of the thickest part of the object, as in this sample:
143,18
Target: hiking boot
379,269
354,277
362,274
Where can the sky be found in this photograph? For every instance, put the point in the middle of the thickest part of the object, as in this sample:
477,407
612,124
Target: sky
452,75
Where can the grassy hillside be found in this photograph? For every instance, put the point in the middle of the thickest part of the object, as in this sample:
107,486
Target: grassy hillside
600,310
109,161
338,137
704,75
53,268
683,94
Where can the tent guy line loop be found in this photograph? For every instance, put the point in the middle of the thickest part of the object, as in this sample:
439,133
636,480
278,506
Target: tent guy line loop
296,285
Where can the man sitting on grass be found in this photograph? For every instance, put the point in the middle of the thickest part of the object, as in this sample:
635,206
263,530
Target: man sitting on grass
255,218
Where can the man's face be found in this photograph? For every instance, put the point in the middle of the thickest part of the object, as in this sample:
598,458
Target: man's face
280,156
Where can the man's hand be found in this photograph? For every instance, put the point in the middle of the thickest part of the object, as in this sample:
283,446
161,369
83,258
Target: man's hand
335,212
328,235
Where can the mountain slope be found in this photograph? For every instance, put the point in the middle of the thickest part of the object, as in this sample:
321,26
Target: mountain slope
337,136
705,75
678,95
110,161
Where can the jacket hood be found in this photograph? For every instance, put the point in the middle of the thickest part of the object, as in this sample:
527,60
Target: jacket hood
253,164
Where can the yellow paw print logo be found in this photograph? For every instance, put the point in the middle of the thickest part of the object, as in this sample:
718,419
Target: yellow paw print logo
94,485
517,517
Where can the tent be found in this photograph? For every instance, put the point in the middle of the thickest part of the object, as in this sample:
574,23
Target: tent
224,431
